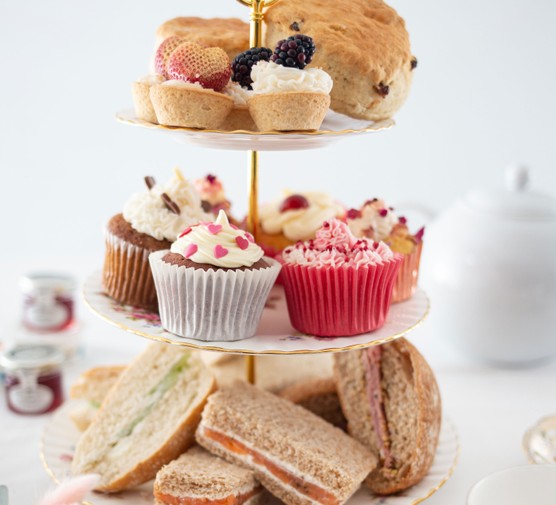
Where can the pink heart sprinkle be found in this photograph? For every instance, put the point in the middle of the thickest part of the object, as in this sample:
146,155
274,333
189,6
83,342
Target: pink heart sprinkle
234,227
214,228
190,250
250,237
185,232
242,243
219,251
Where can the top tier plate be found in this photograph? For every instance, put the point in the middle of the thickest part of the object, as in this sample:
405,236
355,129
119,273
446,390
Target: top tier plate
334,127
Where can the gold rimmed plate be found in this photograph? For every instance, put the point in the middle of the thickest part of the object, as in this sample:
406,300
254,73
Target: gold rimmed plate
275,335
60,437
334,127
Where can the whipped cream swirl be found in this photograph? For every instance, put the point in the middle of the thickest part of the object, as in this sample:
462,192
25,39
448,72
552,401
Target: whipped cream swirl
268,77
299,224
220,244
239,94
375,220
147,213
335,246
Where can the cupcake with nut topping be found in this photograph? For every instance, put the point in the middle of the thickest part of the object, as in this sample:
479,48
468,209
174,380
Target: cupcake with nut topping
376,221
213,283
150,222
338,285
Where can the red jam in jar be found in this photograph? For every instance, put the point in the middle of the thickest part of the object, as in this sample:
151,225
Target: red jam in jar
33,378
48,304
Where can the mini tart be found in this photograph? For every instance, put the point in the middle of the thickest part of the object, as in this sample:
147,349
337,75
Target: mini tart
190,106
126,275
239,119
141,98
290,110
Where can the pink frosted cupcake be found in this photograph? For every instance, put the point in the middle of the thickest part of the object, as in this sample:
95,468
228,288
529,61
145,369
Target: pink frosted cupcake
376,221
338,285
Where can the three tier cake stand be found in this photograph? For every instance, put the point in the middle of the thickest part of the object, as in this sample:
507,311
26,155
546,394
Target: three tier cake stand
275,336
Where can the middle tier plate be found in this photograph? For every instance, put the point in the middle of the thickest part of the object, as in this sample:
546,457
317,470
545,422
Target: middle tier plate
275,335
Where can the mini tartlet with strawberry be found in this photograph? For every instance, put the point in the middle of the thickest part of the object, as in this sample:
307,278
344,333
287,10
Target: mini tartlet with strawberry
376,221
285,96
191,96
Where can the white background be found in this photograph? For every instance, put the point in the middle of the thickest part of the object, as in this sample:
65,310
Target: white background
483,96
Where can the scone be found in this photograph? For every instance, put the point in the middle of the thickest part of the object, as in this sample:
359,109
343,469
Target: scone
230,34
365,49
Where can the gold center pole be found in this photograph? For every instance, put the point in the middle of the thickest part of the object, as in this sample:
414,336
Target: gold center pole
255,40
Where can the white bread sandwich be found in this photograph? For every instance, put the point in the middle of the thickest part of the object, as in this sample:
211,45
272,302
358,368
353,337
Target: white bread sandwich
148,418
320,397
89,391
198,477
296,455
391,400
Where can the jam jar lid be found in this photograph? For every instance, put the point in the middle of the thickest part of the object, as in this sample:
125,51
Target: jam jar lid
60,283
30,356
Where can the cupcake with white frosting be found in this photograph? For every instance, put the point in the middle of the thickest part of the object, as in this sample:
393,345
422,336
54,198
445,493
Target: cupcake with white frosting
288,98
213,283
295,217
150,221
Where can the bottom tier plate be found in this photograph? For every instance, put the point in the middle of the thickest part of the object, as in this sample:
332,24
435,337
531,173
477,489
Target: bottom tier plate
60,437
275,334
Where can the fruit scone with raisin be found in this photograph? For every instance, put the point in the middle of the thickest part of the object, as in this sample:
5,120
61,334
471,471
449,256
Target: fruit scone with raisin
365,49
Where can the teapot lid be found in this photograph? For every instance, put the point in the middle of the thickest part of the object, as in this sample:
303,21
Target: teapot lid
516,200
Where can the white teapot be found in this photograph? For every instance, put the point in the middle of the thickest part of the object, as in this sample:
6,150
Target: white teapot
489,267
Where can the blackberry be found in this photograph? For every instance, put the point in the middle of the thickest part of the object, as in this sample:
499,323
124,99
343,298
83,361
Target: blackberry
242,64
295,51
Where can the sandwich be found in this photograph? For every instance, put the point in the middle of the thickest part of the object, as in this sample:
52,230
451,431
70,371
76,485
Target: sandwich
89,391
294,454
392,405
320,397
147,419
199,478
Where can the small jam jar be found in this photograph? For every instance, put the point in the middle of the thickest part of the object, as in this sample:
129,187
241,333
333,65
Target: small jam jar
48,304
33,378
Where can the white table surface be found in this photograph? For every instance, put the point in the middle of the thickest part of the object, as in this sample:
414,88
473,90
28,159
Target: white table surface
490,407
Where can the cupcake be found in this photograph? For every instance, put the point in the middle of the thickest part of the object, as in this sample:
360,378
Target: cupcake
240,117
192,97
213,197
338,285
376,221
295,217
141,97
213,283
149,222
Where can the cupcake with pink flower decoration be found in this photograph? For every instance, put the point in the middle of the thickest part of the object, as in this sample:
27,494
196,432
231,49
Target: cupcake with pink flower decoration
338,284
213,196
376,221
213,283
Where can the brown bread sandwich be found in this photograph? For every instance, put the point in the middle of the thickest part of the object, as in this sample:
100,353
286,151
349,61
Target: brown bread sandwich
296,455
199,478
392,404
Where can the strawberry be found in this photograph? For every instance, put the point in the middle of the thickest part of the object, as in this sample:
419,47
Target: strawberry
191,62
163,53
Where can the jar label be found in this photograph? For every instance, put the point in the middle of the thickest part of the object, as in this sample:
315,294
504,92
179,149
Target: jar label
46,317
30,400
